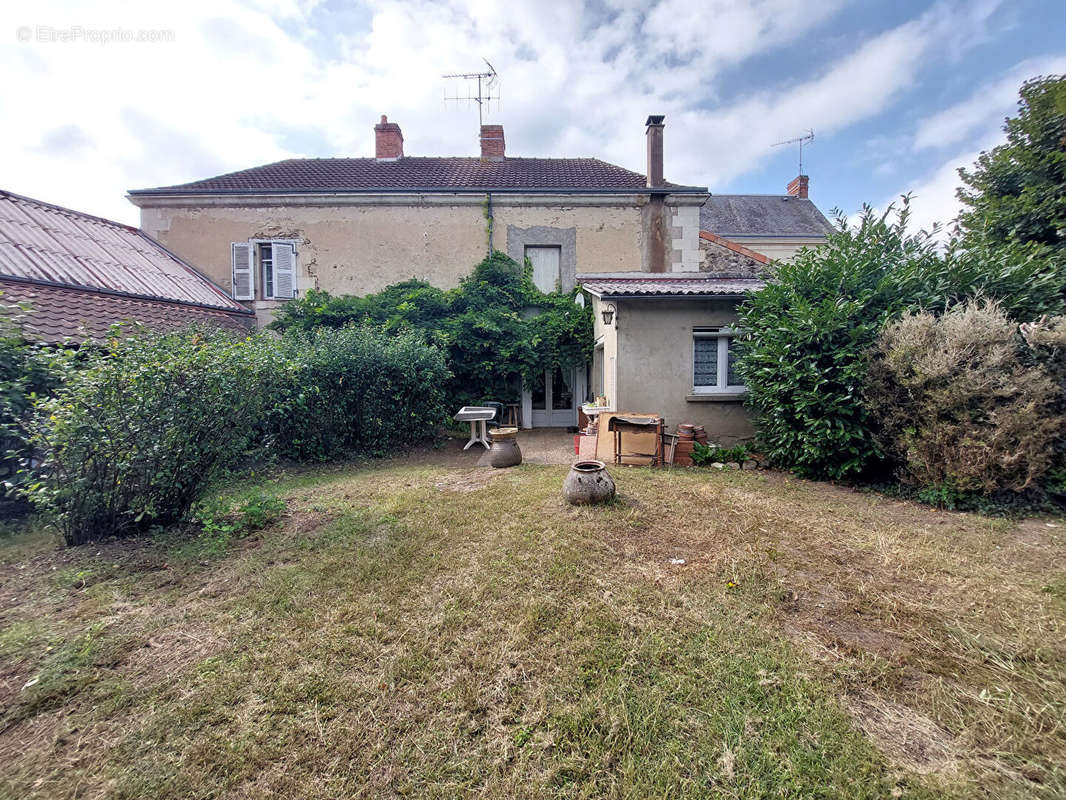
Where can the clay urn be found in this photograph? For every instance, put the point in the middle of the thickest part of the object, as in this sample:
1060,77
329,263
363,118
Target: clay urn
504,451
588,483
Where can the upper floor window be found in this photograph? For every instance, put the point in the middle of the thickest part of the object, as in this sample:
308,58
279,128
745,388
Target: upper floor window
275,264
547,266
714,361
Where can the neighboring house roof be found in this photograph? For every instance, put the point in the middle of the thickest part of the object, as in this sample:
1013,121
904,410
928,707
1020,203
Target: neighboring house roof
58,313
778,215
415,174
50,247
671,287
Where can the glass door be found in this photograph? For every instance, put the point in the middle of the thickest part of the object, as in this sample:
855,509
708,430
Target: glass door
553,399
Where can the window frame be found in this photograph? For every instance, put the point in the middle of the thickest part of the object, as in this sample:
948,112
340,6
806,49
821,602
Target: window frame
259,271
558,249
724,336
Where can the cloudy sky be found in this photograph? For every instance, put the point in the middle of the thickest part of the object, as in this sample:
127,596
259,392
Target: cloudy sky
898,93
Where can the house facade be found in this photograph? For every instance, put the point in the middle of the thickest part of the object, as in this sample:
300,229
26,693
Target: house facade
635,243
79,275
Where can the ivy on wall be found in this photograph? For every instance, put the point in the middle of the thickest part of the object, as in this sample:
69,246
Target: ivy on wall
495,327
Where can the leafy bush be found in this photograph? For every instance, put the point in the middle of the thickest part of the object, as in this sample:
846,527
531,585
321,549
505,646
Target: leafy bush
807,334
26,371
958,408
351,389
703,454
494,328
134,437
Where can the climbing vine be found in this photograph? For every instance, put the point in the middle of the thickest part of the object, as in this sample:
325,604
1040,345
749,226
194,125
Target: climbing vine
495,328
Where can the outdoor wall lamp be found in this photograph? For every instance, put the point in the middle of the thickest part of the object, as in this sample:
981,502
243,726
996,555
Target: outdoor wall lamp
608,313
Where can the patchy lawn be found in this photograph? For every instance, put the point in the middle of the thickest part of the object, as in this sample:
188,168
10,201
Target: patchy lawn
421,630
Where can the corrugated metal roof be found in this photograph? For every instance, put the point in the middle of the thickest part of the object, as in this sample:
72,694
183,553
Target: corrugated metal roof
672,287
43,242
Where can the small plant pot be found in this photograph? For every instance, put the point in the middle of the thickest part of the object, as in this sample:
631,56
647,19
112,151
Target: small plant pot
504,451
588,483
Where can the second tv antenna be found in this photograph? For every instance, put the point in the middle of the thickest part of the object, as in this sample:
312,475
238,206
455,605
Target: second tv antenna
807,137
486,82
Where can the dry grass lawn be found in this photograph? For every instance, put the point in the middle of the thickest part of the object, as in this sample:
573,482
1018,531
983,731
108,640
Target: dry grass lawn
420,630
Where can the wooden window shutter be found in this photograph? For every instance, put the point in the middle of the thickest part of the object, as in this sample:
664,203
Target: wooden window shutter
243,274
284,271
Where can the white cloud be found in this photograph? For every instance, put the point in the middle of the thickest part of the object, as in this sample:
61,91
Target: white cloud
244,83
987,106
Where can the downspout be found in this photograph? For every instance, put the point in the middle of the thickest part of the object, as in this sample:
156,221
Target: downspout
489,220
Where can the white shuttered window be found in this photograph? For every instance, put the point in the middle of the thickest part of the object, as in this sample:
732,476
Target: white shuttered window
284,270
243,273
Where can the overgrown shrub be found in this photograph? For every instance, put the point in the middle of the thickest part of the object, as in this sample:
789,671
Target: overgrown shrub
807,334
351,389
151,420
133,437
26,371
494,328
704,454
959,406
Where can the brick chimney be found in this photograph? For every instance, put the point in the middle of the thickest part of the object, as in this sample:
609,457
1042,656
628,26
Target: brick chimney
492,143
654,134
388,140
798,186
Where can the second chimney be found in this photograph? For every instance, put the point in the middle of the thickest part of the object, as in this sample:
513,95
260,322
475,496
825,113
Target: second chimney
492,143
797,187
388,140
655,151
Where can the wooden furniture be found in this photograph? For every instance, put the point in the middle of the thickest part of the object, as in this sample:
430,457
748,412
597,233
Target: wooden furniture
512,415
643,431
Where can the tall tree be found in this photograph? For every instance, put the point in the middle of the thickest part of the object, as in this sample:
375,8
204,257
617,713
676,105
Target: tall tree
1016,192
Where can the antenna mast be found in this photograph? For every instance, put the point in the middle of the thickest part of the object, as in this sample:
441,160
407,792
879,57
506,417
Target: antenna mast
486,82
807,137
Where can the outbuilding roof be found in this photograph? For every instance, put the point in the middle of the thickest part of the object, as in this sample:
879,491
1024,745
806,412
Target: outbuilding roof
421,174
60,313
671,287
51,244
779,215
77,269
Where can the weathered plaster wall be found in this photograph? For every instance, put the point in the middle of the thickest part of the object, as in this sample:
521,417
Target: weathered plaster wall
356,249
654,365
607,337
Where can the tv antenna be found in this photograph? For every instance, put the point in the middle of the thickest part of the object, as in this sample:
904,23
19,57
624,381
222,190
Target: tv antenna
486,82
807,137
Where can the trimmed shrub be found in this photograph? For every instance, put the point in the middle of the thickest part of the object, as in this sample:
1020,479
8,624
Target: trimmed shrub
151,420
959,407
336,391
807,335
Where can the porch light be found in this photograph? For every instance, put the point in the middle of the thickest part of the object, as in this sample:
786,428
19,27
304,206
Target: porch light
608,313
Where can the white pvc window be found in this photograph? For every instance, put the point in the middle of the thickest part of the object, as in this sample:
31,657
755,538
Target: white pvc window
714,361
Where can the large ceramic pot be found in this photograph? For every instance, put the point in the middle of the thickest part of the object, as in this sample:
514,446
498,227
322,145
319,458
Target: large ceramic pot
504,451
588,483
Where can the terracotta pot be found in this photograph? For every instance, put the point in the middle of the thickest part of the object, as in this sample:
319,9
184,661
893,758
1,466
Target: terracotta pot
504,451
588,483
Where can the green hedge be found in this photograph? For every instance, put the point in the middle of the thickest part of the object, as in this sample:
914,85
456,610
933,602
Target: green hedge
135,435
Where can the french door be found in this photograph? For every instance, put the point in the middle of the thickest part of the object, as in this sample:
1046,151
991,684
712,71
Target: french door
555,396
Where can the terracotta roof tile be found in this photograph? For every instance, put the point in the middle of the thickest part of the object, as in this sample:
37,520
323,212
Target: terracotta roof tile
304,175
58,313
669,286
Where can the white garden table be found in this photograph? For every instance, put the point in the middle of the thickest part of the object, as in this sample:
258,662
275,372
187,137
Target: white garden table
477,416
